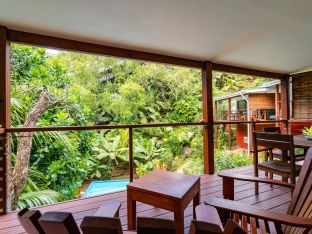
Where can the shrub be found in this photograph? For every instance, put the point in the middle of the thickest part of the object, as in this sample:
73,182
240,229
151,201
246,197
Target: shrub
227,159
224,159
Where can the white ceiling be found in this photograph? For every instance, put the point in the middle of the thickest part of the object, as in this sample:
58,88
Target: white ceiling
272,35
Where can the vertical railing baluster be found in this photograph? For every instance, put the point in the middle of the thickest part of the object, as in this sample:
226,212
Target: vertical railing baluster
131,173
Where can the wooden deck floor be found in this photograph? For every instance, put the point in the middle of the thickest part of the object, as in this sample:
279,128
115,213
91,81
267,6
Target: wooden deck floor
276,198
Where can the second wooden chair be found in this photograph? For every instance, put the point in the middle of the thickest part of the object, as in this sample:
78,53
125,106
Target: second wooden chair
280,167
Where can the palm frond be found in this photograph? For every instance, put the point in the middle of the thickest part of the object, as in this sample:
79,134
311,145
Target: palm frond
62,137
39,198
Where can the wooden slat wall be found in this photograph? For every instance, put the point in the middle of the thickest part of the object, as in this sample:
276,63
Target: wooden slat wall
262,101
302,96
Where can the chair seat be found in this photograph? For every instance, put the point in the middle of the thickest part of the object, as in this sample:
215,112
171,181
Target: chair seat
278,167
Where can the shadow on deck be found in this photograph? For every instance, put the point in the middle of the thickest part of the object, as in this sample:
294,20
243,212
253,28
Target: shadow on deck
276,198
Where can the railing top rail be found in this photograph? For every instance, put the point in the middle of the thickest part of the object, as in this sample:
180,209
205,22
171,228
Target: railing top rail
99,127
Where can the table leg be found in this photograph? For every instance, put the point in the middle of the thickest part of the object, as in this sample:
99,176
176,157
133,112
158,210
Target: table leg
196,202
179,219
131,209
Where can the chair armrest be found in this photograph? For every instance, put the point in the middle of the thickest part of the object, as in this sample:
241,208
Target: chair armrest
255,179
249,210
108,209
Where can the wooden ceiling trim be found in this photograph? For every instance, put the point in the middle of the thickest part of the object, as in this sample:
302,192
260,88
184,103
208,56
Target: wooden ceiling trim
73,45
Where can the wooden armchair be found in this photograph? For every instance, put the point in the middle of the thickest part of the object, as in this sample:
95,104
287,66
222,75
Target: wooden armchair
298,218
283,168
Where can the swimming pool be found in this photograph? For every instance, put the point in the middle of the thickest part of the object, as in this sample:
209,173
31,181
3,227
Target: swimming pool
105,186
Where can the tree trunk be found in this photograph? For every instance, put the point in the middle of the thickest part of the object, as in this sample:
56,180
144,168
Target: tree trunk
24,146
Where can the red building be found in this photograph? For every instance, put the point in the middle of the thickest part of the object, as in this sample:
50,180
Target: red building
264,103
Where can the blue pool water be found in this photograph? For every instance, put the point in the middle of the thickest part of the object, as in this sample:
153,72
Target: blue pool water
105,186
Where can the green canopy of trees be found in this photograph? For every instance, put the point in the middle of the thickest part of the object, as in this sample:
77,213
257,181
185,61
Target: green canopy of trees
87,90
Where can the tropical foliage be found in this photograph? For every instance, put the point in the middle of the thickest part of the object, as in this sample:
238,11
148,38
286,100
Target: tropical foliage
88,90
307,131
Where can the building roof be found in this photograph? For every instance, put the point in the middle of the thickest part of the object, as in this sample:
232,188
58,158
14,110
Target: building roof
265,88
266,35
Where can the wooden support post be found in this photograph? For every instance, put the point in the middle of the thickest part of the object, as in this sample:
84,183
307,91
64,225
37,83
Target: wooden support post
208,118
277,102
229,126
285,99
4,114
131,168
216,119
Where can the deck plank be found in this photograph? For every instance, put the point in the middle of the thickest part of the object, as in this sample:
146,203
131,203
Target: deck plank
276,198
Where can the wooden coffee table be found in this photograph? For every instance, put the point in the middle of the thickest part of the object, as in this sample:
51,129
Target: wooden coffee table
167,190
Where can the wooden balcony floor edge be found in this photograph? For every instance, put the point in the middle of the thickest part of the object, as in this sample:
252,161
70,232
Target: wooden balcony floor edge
276,198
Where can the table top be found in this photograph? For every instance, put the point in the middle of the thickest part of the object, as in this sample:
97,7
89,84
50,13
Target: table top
301,142
165,183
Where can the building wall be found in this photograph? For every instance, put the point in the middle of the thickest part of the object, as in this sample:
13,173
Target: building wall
261,101
296,126
256,101
241,133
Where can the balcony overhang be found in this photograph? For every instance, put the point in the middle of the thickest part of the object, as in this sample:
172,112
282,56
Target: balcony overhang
270,35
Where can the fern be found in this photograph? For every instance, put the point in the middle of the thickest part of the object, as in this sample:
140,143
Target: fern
39,198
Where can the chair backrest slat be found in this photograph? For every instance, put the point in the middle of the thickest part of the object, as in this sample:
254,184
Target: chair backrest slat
274,136
276,144
273,140
273,129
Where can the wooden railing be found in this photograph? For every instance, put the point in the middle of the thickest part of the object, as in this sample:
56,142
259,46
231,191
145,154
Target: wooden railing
104,127
237,115
130,129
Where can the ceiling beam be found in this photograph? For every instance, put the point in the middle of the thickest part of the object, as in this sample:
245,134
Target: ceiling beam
73,45
246,71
